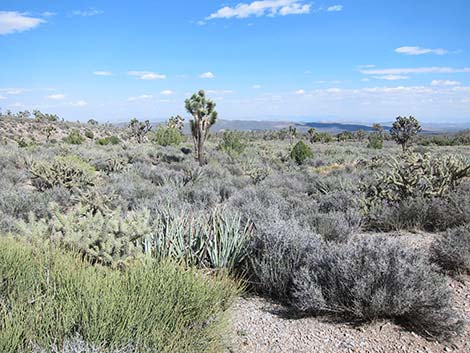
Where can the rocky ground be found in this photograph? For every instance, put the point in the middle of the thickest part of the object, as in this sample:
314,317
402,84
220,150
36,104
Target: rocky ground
260,327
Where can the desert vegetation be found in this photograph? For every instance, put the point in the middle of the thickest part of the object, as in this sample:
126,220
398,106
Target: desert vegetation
138,238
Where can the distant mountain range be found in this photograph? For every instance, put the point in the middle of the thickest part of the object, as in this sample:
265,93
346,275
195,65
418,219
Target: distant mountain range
253,125
330,127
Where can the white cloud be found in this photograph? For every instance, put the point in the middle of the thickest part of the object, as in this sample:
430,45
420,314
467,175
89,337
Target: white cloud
12,21
333,90
207,75
139,98
391,77
167,92
415,70
79,104
420,51
256,86
261,8
334,8
56,96
87,13
300,91
48,14
2,97
17,105
220,92
444,83
103,73
147,75
14,91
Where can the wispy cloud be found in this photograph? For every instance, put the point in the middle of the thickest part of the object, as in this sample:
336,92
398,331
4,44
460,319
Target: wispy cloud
256,86
420,51
102,73
391,77
139,98
335,8
13,22
167,92
2,97
87,13
444,83
56,97
300,91
146,75
262,8
12,91
208,75
79,104
415,70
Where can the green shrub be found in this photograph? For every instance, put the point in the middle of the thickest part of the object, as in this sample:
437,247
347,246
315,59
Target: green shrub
166,136
451,251
68,171
375,141
232,143
49,297
109,140
301,152
74,138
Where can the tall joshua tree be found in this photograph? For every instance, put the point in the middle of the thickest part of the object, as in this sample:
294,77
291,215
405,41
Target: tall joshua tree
204,116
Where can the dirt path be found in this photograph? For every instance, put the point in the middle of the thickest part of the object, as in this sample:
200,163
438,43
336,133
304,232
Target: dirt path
258,328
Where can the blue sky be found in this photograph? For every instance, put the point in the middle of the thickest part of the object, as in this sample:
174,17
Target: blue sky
332,60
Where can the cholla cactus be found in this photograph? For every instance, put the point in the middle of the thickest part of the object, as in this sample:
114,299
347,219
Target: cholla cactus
204,116
416,175
68,171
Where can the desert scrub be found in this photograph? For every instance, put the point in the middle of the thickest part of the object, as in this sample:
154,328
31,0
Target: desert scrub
50,297
451,251
376,277
166,136
67,171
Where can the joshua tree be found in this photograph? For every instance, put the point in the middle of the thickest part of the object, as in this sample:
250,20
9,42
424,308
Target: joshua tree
204,116
139,129
48,130
176,122
312,134
404,130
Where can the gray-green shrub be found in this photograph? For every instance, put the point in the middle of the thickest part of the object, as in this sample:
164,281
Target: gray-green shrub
451,250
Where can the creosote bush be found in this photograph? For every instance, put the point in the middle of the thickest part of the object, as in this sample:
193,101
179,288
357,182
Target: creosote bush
49,297
301,152
166,136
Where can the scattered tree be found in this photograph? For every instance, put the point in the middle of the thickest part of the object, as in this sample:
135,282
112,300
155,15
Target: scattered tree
139,130
204,116
404,130
176,122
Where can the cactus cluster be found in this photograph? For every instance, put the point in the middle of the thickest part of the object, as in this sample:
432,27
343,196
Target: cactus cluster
211,240
418,175
67,171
